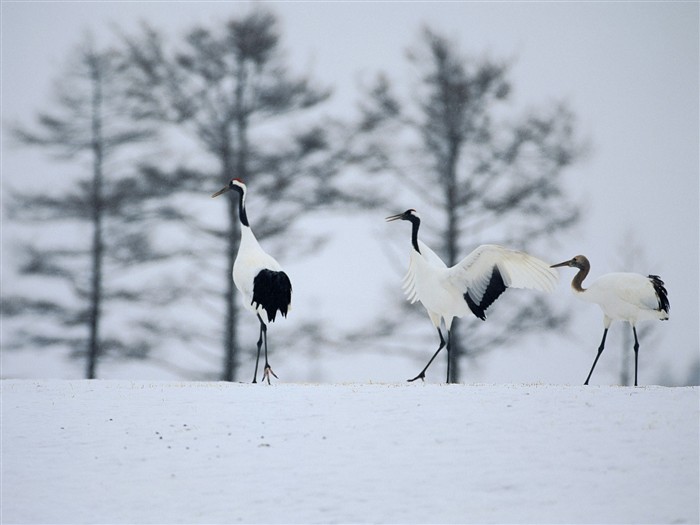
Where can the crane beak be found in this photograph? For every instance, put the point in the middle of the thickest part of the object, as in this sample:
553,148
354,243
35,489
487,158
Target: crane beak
565,263
222,190
394,217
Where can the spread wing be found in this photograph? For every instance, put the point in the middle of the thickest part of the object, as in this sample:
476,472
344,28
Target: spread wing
483,275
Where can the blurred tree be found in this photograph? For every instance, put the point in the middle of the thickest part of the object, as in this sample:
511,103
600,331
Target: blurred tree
693,378
491,179
632,259
229,89
88,130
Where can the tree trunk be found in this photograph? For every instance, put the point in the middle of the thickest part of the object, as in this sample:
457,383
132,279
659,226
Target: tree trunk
230,345
626,346
97,241
240,171
452,250
233,240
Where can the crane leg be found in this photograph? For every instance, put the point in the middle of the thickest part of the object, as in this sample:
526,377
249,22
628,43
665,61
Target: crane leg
268,369
636,354
421,376
449,356
260,342
600,351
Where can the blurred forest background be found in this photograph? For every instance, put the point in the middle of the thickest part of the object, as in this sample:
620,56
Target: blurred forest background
124,262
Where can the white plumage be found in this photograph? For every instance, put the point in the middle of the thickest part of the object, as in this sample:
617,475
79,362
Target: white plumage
250,261
441,289
471,285
265,287
629,297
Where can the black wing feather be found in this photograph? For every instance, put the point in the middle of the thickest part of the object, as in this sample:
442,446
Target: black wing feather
661,293
494,289
273,291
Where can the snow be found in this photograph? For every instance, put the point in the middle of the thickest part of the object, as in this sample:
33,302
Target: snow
185,452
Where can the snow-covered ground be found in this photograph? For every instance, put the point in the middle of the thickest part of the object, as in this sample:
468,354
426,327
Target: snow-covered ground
140,452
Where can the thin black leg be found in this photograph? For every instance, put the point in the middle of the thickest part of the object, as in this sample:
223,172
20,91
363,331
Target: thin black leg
421,376
267,370
260,341
636,354
600,351
449,356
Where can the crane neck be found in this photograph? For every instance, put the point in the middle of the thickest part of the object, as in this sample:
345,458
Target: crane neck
248,237
415,223
242,215
577,281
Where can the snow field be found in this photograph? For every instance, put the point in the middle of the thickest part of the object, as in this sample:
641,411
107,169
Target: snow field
141,452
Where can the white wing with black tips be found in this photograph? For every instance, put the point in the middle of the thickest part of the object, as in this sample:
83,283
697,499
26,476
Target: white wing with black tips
483,275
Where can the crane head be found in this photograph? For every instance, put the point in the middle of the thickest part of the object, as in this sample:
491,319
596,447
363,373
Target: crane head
580,262
234,184
408,215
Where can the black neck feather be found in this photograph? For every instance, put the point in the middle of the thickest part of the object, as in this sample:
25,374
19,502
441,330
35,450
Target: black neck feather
242,215
415,221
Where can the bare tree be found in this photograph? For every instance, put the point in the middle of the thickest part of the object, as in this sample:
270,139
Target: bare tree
489,176
229,89
85,129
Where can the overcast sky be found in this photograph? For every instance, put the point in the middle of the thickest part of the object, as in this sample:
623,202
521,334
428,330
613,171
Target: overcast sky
629,70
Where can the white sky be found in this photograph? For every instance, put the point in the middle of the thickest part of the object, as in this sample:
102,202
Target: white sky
628,69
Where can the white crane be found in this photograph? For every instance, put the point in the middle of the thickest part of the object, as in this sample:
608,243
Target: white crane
627,297
265,288
471,285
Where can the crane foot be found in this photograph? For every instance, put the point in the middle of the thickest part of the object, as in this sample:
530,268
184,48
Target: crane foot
267,372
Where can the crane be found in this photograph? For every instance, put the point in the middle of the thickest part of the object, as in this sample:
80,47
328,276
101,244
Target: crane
265,288
624,296
471,285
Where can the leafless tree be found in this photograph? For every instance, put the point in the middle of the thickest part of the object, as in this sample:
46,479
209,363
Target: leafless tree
229,88
488,175
86,130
